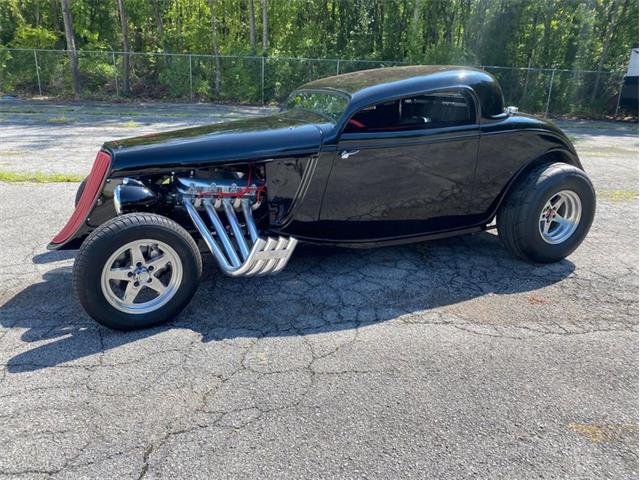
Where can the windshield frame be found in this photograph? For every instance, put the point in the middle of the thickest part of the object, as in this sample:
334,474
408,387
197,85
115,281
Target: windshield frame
325,91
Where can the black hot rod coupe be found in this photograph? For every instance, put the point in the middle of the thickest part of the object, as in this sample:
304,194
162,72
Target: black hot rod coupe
369,158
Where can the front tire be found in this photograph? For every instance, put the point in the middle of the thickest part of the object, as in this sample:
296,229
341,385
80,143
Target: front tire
548,213
79,192
136,271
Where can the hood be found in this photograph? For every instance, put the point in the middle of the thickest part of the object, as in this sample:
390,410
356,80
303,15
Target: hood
292,133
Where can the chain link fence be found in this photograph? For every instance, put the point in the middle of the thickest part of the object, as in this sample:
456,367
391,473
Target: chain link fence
260,80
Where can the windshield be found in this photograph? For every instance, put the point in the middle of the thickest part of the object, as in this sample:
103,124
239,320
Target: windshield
327,104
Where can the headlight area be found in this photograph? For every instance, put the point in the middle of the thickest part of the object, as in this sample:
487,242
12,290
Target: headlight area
132,193
90,194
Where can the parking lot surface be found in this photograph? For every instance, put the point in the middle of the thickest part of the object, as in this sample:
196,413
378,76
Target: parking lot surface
446,359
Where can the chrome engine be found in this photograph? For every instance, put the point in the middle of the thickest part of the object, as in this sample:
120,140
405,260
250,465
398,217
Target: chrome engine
225,187
236,244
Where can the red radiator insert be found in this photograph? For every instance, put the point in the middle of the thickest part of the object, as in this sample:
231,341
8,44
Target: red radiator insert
89,196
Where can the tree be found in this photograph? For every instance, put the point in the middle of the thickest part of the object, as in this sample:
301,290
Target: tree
252,28
214,44
55,22
562,34
265,28
609,32
157,13
126,86
71,46
414,30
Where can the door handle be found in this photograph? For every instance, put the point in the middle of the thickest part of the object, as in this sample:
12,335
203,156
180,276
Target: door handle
346,153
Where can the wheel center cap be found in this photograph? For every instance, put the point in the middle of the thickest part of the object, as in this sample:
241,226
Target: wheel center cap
142,275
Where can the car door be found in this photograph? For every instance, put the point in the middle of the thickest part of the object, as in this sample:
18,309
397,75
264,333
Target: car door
403,168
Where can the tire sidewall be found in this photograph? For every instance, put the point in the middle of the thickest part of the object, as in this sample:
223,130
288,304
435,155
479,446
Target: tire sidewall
90,290
535,247
79,191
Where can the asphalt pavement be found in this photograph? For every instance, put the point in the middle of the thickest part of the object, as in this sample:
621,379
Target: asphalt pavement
446,359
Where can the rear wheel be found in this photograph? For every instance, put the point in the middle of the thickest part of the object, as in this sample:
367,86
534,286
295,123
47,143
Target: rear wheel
548,213
136,271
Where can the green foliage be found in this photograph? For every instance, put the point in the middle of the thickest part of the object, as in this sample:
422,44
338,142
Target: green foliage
33,37
10,20
560,34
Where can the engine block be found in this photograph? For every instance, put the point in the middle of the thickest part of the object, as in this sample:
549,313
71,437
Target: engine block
220,188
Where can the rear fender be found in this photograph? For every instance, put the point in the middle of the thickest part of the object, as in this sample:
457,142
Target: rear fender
556,155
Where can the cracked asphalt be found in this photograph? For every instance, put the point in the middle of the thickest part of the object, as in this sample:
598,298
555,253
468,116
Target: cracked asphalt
446,359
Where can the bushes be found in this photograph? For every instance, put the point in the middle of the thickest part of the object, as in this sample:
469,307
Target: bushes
175,77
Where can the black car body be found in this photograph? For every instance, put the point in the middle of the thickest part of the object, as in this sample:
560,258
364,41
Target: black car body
368,158
316,195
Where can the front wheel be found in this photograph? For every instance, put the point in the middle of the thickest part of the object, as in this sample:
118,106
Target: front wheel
548,213
136,271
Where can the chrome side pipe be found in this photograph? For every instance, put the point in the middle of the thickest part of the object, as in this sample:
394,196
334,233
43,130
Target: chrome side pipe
263,256
222,233
248,218
235,226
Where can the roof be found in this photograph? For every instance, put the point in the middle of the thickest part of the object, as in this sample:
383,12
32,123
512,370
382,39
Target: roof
370,86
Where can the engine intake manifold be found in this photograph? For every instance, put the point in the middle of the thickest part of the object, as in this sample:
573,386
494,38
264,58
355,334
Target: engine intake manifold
245,255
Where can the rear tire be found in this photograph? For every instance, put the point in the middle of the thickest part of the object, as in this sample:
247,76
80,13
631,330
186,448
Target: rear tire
136,271
547,213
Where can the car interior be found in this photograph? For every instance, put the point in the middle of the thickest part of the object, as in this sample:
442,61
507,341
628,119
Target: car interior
436,110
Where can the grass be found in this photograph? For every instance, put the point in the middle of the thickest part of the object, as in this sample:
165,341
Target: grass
12,153
127,113
128,124
609,151
19,110
60,120
39,177
606,125
617,195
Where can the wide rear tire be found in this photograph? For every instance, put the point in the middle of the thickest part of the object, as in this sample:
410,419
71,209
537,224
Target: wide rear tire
136,271
547,213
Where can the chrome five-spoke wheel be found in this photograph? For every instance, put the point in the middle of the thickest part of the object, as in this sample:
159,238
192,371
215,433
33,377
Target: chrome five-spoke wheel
141,276
136,270
560,217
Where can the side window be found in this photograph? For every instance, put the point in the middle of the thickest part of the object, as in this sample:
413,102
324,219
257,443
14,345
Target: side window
435,110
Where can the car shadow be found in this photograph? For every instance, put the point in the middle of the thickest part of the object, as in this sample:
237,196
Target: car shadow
322,290
53,256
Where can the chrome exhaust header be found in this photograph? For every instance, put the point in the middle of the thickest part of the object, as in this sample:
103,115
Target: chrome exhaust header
241,256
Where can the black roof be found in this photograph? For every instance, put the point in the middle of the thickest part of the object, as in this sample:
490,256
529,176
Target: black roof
371,86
